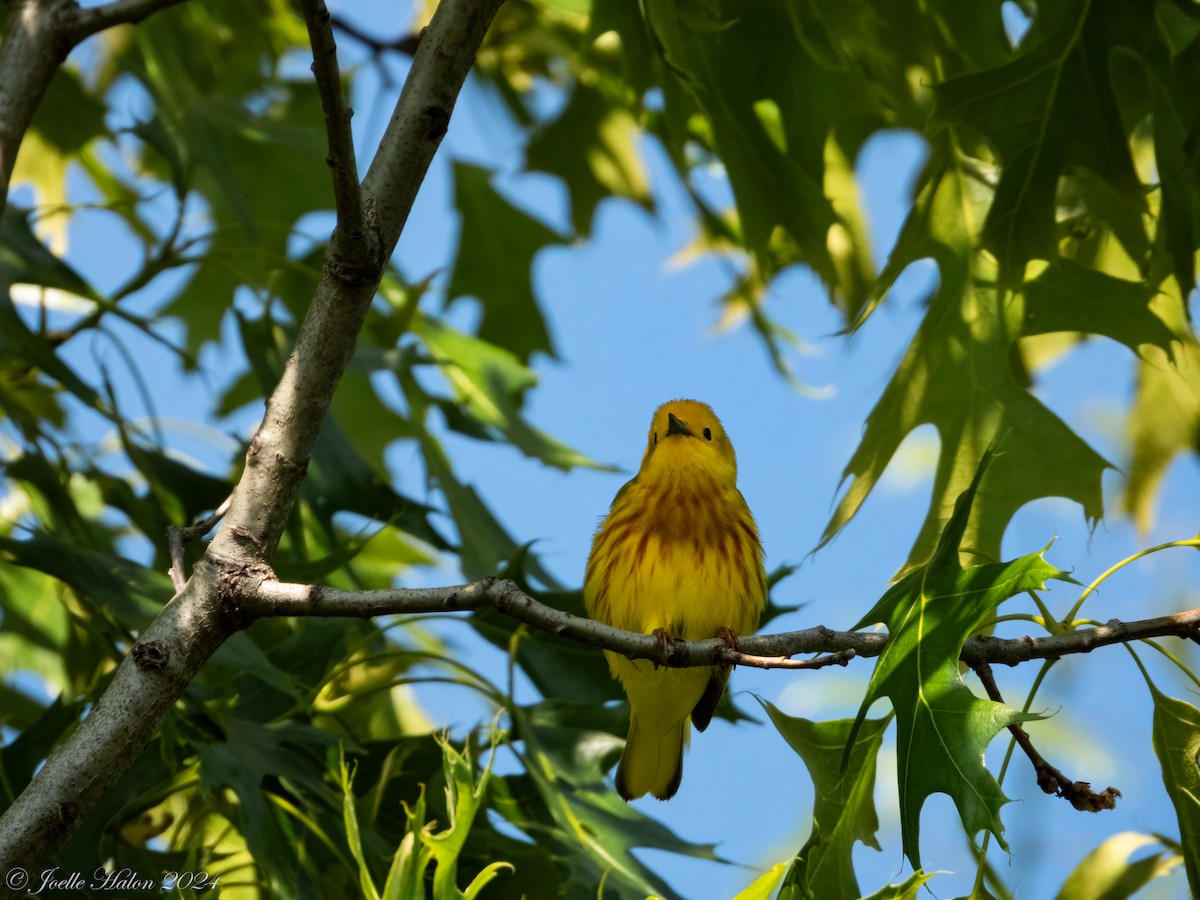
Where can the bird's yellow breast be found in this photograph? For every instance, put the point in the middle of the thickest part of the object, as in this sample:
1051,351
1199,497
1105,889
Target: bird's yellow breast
678,554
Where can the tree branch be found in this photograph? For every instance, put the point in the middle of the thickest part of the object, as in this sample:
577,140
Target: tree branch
33,47
179,535
350,236
37,36
108,741
1078,793
83,23
770,651
406,43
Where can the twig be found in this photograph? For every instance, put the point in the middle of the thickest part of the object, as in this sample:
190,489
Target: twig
178,535
84,22
347,196
406,43
839,658
772,651
1078,793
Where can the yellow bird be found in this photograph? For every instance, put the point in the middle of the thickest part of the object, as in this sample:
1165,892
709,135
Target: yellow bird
677,556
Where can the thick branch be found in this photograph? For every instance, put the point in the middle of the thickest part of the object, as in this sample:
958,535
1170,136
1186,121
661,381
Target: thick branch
769,651
146,685
423,113
350,238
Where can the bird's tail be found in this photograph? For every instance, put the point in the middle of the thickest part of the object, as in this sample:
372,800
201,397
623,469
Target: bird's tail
653,759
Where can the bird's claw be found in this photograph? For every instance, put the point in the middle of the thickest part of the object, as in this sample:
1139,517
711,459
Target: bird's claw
729,638
664,646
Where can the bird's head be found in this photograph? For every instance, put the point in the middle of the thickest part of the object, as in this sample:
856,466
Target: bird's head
686,435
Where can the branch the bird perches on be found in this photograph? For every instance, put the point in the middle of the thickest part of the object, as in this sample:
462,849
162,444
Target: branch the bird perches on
768,651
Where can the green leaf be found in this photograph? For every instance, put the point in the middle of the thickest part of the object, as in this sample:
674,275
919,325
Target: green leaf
1164,421
943,729
489,383
1176,736
464,796
1050,107
591,148
564,802
1070,297
1179,181
68,118
18,344
1107,874
496,248
35,634
26,260
843,801
256,760
255,171
23,755
957,373
623,18
910,889
353,837
117,589
774,186
763,887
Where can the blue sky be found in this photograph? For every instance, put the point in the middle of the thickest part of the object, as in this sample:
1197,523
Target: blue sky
633,329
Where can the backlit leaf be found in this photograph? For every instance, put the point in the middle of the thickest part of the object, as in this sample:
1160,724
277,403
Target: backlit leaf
843,803
1176,736
943,729
1106,872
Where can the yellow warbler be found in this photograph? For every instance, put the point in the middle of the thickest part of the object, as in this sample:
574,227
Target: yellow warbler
678,555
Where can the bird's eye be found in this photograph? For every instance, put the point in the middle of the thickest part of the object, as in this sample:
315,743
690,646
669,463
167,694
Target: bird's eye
656,437
707,434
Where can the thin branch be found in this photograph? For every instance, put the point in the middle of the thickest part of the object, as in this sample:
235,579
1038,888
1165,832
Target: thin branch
1011,652
178,535
83,23
840,658
347,196
406,43
1078,793
771,651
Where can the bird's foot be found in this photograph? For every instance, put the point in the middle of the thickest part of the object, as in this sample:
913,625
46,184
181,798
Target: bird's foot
664,646
729,638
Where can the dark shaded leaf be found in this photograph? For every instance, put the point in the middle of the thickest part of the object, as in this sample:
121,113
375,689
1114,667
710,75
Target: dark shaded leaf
496,248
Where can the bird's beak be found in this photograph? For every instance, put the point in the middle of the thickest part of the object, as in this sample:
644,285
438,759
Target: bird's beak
674,426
